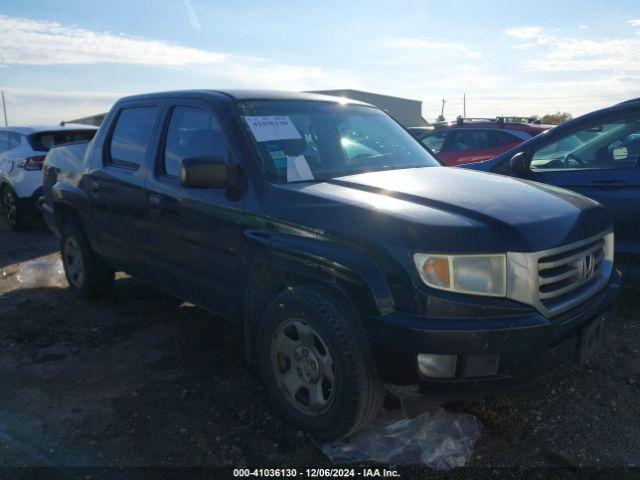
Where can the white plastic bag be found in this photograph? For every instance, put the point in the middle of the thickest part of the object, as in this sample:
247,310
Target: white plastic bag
438,439
42,272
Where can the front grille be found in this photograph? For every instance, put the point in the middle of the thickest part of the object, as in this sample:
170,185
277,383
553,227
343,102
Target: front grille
558,279
562,273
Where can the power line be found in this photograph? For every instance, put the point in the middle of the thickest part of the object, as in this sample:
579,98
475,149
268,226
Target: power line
4,108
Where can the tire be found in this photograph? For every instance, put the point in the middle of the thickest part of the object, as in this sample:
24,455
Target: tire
331,407
16,218
86,273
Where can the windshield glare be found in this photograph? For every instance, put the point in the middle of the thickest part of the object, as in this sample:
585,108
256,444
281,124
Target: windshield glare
311,141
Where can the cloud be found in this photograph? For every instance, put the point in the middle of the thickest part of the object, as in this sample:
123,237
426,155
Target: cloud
436,47
583,27
566,54
534,35
635,22
32,42
580,55
193,15
524,33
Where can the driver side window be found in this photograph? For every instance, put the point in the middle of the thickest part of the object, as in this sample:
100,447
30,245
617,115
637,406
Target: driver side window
606,145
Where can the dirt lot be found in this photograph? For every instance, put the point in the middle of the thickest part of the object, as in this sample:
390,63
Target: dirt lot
134,380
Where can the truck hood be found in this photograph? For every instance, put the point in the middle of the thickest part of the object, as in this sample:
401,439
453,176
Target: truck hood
445,209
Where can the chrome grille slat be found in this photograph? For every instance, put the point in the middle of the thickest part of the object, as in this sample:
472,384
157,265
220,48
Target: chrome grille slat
556,278
566,289
563,261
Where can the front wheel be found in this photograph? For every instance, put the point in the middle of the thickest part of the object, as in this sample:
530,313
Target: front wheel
316,364
86,273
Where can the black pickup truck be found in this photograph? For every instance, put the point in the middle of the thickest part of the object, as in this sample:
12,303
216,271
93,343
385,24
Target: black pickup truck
355,262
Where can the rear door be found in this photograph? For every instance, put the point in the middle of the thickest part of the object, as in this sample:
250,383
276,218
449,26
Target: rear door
195,235
599,160
117,190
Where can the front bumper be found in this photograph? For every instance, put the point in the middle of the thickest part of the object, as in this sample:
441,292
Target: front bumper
522,347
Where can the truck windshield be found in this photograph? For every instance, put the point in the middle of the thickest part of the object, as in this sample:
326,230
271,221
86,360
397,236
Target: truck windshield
312,141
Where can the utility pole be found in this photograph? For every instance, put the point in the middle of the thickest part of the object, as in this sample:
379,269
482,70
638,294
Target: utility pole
464,105
4,108
442,110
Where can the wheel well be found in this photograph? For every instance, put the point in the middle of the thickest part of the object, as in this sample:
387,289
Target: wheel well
64,213
267,281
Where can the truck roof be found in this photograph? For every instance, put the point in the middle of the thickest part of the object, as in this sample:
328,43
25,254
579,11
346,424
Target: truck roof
247,94
29,129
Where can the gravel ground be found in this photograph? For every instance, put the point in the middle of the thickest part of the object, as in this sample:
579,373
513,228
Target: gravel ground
134,380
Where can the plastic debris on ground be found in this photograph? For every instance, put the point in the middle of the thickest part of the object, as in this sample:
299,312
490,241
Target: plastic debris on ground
437,438
42,273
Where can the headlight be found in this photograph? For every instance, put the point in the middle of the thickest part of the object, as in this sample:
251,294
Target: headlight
473,274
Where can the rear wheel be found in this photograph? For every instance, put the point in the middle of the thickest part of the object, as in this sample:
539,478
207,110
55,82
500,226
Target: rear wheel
86,273
316,364
16,218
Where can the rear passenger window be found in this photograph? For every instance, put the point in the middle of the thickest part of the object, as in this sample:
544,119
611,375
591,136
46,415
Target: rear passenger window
192,132
131,137
464,140
503,138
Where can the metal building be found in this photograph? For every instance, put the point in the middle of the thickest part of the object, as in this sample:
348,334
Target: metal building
406,111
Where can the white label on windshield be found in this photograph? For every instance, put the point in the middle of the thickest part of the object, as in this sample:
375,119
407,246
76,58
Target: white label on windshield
298,169
272,128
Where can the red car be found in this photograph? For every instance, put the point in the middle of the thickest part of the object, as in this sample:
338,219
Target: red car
475,140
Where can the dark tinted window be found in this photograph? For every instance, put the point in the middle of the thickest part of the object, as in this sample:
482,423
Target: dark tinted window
500,138
131,136
44,141
193,132
472,139
4,141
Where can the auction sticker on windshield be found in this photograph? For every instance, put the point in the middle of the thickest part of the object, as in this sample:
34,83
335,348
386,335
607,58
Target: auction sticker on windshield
272,128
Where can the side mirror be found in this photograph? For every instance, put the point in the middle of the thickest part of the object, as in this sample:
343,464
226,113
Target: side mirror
207,172
519,165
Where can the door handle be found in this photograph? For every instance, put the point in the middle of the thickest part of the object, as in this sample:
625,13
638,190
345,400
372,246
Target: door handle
608,184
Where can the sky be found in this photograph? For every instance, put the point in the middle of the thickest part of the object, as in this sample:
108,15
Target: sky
63,59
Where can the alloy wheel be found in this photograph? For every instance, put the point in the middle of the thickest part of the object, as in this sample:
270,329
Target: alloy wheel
73,262
9,207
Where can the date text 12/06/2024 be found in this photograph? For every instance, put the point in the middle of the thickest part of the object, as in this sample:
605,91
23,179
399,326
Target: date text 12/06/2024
316,472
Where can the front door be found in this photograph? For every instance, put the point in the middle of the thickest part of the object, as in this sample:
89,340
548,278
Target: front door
195,235
600,161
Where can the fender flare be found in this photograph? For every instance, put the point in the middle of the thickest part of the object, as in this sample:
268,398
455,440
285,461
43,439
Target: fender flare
346,270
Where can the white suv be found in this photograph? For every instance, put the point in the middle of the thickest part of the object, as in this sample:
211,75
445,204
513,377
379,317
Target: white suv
22,152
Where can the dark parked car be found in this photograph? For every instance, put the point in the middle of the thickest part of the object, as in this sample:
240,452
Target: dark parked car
475,140
353,269
595,155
